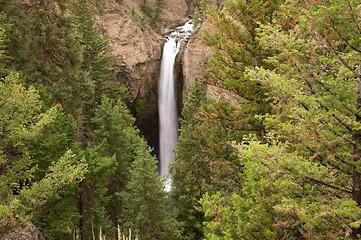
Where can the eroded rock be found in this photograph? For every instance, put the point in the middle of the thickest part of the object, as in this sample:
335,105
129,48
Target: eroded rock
173,12
26,232
137,51
195,58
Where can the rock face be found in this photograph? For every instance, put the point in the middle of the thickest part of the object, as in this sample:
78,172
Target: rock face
195,57
26,232
174,12
137,51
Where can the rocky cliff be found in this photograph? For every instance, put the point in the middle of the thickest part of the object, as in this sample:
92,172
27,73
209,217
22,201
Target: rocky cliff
195,57
173,13
137,50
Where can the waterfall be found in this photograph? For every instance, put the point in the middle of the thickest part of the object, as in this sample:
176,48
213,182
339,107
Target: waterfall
167,102
168,120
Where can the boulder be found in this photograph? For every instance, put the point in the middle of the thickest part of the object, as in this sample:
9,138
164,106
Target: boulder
26,232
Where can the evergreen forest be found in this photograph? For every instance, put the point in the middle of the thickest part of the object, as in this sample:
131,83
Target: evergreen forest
285,163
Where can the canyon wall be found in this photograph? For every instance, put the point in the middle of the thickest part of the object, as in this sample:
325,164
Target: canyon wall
138,51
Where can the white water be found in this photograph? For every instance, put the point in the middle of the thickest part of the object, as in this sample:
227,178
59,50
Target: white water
168,119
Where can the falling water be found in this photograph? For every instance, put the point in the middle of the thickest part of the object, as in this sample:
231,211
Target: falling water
167,105
168,120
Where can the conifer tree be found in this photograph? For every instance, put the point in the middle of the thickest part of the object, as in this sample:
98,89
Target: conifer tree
23,190
306,187
236,47
281,198
320,112
21,125
46,48
189,172
145,199
114,127
96,59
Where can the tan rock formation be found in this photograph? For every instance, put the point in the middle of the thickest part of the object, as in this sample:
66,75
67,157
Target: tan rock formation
224,95
137,51
174,12
195,57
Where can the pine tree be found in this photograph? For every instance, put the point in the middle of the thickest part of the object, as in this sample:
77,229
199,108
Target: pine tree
305,184
236,47
96,59
4,57
145,199
189,172
46,48
283,196
21,125
316,105
114,127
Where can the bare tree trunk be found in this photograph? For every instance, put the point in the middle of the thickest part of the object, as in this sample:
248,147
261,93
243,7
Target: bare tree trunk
3,169
83,204
82,211
356,178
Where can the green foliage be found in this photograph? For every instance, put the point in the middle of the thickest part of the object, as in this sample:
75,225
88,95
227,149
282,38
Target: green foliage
201,12
56,138
205,158
137,18
58,49
57,218
314,91
152,16
140,109
189,172
304,184
283,196
96,59
4,58
113,126
49,53
145,199
94,191
21,125
236,46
